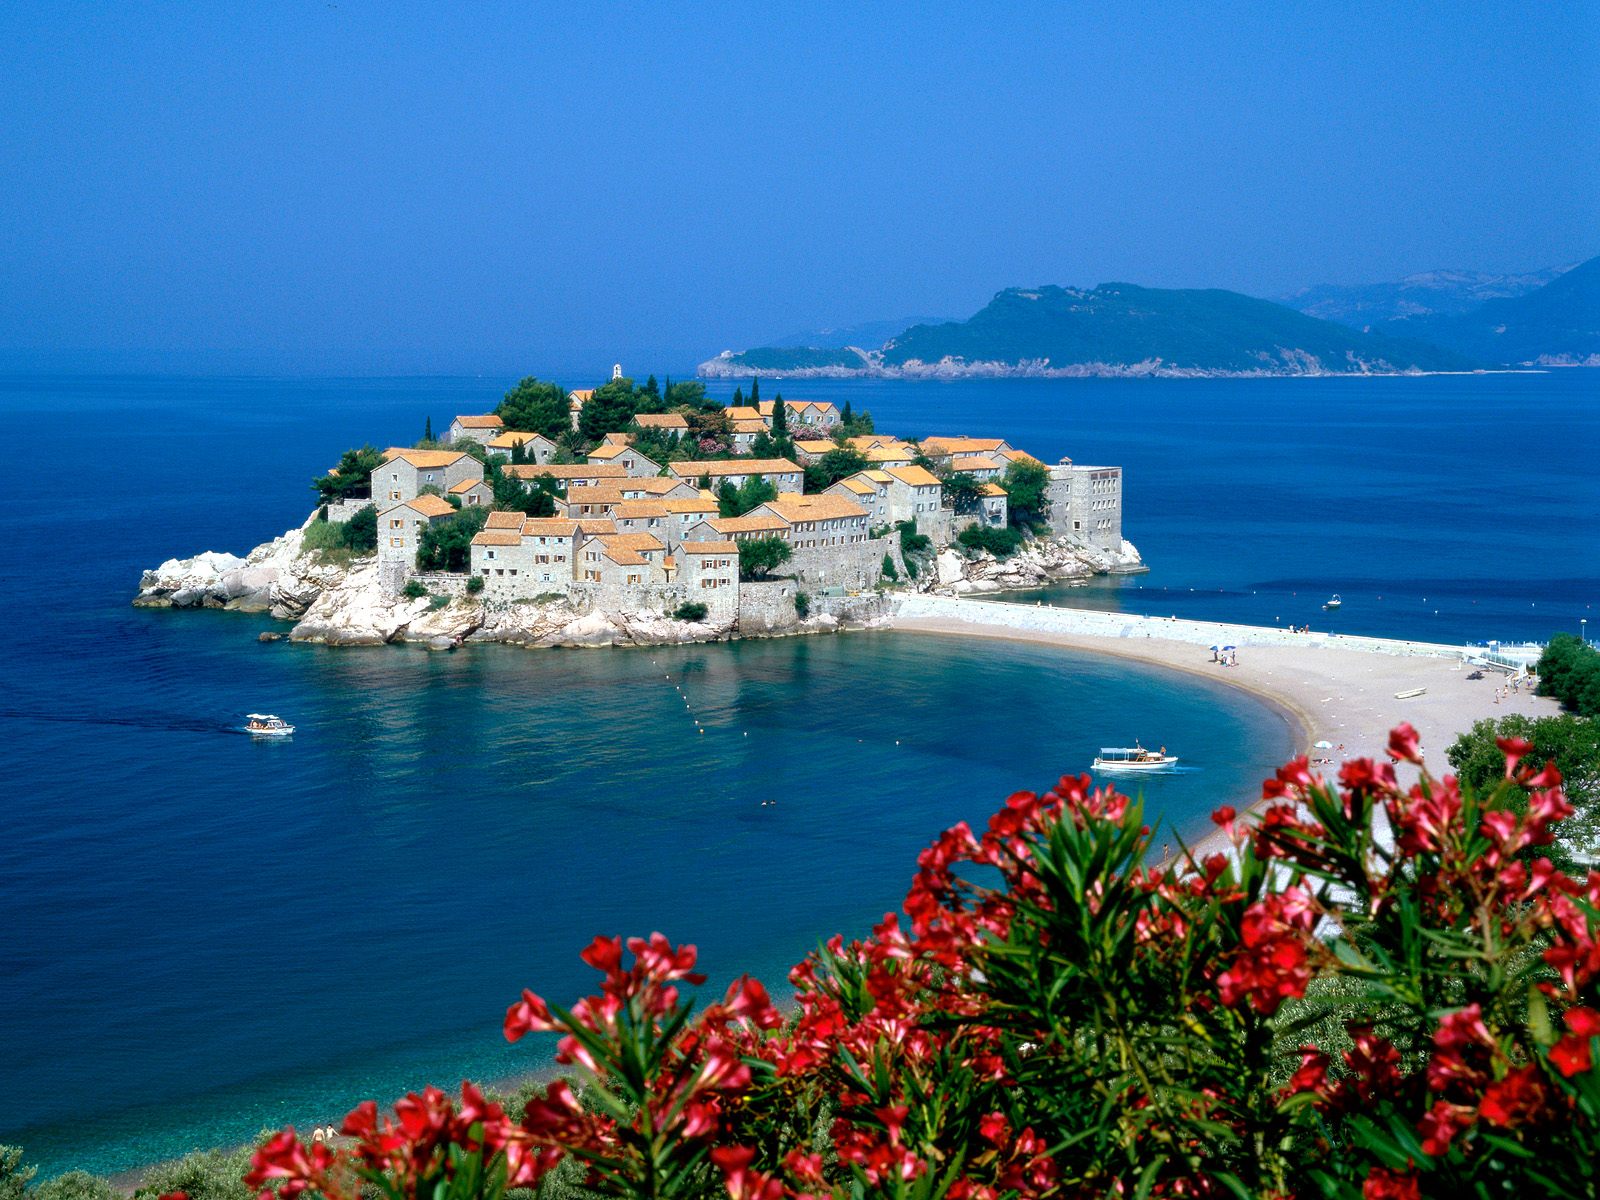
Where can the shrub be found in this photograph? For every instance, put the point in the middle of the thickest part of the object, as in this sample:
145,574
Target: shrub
352,477
889,571
361,531
690,610
413,590
321,536
475,585
206,1175
1055,1018
1569,670
802,605
358,535
447,545
75,1185
1002,543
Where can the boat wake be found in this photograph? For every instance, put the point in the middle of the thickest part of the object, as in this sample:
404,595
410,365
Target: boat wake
152,723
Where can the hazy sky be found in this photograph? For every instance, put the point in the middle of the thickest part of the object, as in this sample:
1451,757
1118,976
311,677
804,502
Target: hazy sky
307,185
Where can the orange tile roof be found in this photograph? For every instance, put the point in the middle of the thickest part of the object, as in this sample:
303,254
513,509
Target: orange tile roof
735,466
748,425
581,395
640,508
688,504
973,462
743,412
515,437
859,486
479,421
794,508
505,520
748,524
497,537
605,453
424,458
635,541
662,421
596,526
961,445
875,476
710,547
567,470
432,506
991,489
623,556
816,445
549,527
915,476
466,485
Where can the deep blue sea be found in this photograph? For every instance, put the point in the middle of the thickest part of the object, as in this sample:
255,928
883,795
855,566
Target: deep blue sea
205,936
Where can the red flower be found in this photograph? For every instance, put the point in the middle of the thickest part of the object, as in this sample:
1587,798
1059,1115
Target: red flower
1572,1054
1441,1124
1514,749
743,1183
1514,1100
995,1128
1404,743
1224,818
1384,1184
528,1015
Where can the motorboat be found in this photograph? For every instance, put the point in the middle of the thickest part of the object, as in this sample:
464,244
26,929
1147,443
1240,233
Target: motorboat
1133,758
1333,602
266,725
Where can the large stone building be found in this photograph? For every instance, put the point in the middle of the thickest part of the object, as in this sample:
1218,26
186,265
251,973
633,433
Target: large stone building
404,473
1086,503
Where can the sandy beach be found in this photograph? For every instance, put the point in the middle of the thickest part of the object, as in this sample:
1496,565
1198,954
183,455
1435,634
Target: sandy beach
1334,693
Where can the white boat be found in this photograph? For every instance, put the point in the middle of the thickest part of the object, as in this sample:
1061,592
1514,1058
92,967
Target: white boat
266,725
1333,602
1133,758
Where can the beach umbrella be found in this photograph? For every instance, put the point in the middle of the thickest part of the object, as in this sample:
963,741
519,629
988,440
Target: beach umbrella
1322,745
1230,647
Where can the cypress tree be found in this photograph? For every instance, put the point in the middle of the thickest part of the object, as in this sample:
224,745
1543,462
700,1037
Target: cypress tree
738,398
755,392
427,429
780,417
845,415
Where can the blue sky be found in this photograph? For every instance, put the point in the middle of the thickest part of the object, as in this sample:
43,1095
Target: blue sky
386,187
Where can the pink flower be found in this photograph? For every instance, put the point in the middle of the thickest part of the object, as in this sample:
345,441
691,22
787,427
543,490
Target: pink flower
528,1015
1384,1184
1515,749
1572,1055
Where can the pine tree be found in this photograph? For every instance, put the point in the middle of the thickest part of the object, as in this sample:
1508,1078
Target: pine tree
651,387
755,393
780,417
738,398
845,415
427,429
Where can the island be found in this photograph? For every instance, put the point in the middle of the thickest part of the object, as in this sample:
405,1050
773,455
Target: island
641,514
1113,329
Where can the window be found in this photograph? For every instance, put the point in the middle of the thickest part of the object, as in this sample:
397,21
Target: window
488,554
399,541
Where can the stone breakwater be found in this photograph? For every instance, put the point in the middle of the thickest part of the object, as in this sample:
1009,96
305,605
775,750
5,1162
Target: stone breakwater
343,604
1040,562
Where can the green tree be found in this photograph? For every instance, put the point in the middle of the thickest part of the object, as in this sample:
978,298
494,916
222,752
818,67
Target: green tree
75,1185
613,404
755,392
845,415
1002,543
427,429
1027,491
204,1175
690,610
833,466
802,605
360,532
14,1177
689,394
780,417
447,545
1569,670
753,491
962,490
1572,744
536,406
352,478
759,557
889,571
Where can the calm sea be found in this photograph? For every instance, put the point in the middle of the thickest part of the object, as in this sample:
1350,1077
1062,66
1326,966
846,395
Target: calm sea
206,936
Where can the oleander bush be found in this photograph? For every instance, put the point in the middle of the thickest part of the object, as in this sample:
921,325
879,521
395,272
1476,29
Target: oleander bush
690,610
1365,991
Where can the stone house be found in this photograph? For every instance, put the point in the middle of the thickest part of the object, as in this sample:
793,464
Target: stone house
658,487
817,521
810,450
783,475
807,415
569,475
889,454
667,423
864,490
536,448
914,495
400,534
575,402
993,505
598,502
645,516
502,559
739,529
626,560
685,512
1086,503
550,543
473,493
404,473
479,427
709,567
633,462
982,467
744,433
939,449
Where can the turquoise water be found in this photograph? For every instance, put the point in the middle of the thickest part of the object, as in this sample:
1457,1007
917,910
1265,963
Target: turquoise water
205,936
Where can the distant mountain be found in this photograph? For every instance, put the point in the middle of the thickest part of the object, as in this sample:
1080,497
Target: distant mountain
1431,293
1556,325
869,335
1114,329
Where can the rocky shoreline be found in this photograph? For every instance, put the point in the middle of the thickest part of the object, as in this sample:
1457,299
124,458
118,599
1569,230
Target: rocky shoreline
337,603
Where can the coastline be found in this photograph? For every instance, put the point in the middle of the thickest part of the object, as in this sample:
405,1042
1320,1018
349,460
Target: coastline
1343,694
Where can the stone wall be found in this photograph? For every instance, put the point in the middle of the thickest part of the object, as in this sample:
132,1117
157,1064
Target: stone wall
442,583
857,565
767,607
341,511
